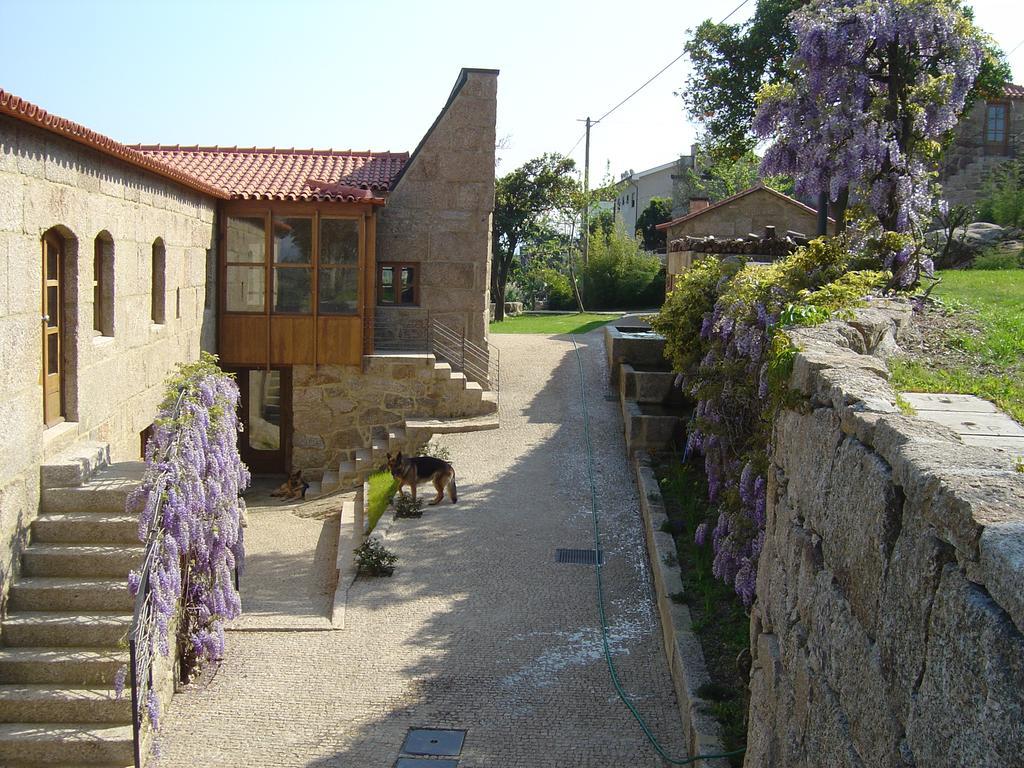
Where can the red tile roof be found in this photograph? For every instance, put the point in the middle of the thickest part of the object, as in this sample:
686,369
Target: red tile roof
27,112
286,174
737,196
1014,91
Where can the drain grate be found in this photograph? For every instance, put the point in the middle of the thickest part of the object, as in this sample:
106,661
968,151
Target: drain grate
580,556
425,762
433,741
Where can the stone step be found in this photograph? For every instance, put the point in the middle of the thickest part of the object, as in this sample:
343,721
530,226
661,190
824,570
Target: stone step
395,436
459,377
98,528
54,593
64,666
363,459
450,426
89,744
81,559
74,465
329,481
314,490
105,491
444,369
40,703
65,628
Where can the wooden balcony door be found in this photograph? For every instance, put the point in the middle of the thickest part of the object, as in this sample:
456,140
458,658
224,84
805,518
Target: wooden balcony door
52,323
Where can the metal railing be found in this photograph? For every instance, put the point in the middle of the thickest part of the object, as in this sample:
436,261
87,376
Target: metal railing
481,364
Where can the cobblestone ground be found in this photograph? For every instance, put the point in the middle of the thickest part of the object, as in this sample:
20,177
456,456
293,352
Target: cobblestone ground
479,629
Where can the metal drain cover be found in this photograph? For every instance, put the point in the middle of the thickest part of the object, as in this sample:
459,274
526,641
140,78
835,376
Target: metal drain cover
580,556
433,741
423,762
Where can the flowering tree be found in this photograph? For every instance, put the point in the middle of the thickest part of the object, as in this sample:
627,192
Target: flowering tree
880,84
193,481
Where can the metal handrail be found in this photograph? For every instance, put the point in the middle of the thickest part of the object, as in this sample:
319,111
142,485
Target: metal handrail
142,635
480,364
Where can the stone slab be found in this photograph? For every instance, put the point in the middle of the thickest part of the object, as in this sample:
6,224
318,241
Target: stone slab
928,401
973,423
1013,444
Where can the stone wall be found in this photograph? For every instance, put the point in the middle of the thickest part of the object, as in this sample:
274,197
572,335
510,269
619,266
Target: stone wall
888,624
749,213
337,407
114,382
439,214
965,166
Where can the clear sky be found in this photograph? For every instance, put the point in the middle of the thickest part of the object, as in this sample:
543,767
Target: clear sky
374,75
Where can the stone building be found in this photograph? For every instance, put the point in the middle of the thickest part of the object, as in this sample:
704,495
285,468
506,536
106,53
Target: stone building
746,212
294,266
989,135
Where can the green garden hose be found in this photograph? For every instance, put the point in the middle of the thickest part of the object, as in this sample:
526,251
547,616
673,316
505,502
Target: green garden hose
600,595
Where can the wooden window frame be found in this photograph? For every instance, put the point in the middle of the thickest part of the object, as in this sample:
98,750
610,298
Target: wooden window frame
398,266
158,283
273,265
996,147
225,264
103,307
317,266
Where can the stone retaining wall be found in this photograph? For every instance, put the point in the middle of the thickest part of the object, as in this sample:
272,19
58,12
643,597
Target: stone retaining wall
888,624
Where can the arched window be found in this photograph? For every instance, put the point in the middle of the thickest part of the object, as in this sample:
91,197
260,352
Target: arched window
103,285
159,291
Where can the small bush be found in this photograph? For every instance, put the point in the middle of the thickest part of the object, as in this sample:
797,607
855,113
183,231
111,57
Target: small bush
1004,201
995,259
373,559
621,275
406,506
382,487
436,451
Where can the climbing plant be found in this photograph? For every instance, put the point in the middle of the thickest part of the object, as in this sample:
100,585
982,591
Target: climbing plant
190,498
723,328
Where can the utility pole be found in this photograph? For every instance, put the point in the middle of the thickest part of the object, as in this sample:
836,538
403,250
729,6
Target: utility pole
586,198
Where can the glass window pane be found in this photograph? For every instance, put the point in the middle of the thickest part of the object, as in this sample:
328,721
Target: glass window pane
52,306
293,240
52,353
339,291
245,289
387,285
293,288
339,242
408,285
246,240
264,427
51,261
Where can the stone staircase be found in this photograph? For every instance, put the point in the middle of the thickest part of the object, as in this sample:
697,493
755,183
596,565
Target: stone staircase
66,619
466,407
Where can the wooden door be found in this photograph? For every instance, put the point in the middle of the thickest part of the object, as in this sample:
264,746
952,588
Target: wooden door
52,322
266,405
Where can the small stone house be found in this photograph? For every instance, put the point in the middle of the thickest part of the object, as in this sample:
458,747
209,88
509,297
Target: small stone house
302,269
991,133
747,212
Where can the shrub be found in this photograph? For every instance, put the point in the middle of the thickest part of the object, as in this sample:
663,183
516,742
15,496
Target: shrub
436,451
1004,200
373,559
382,487
406,506
722,326
621,275
994,258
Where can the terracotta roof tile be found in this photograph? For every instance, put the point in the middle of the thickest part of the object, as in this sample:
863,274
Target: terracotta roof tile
286,174
1014,91
26,111
738,195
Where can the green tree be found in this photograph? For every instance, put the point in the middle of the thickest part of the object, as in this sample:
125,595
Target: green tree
719,176
621,275
658,211
525,202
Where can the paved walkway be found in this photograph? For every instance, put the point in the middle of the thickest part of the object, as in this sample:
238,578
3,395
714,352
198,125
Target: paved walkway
479,629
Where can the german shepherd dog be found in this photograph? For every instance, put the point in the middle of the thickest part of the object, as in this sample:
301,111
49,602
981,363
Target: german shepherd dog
413,470
292,489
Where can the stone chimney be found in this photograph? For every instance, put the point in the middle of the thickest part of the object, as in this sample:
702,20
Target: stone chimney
698,204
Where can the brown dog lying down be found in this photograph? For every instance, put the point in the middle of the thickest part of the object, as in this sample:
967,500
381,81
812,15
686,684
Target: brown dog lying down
293,488
413,470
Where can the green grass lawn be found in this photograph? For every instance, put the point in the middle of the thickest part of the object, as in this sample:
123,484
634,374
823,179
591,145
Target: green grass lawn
997,296
574,322
382,488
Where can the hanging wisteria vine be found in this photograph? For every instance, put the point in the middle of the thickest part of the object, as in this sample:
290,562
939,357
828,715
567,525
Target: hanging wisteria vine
190,499
722,324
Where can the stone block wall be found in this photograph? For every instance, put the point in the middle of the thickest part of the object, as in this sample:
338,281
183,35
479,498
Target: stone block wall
966,167
336,408
439,214
114,382
888,624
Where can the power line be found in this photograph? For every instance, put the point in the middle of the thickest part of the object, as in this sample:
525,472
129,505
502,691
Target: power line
1018,45
651,80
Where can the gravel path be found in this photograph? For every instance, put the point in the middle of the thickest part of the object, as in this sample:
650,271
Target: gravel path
479,629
